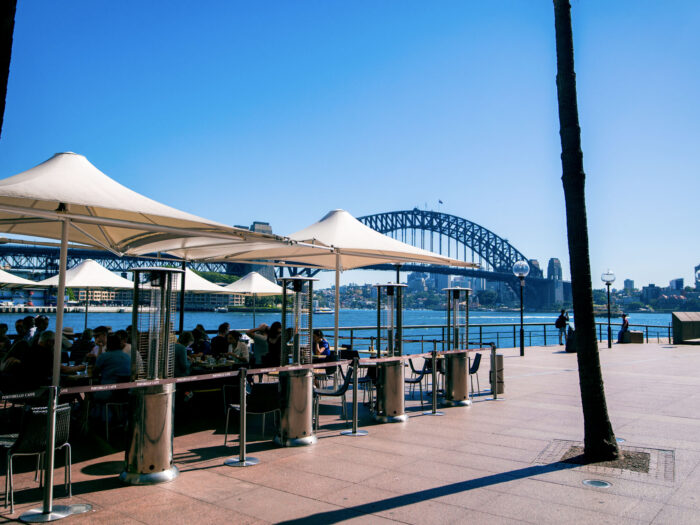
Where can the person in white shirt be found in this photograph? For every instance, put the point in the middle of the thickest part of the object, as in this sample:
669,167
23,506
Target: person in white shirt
237,348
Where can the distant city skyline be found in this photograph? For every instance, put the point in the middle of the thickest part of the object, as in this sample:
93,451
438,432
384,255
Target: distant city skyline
280,112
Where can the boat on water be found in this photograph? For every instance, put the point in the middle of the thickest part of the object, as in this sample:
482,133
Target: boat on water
323,310
221,309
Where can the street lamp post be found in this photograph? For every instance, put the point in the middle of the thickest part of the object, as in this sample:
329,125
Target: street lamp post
520,270
608,278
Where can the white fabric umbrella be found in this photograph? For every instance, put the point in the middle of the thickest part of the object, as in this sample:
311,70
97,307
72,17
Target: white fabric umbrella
355,245
102,212
8,280
197,284
254,284
90,275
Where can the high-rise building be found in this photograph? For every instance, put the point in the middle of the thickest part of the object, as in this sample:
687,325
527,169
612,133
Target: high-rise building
676,284
554,270
629,285
650,292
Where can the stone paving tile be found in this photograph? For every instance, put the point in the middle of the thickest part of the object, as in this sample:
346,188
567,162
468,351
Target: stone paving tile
532,511
276,506
672,515
208,485
333,467
424,513
583,498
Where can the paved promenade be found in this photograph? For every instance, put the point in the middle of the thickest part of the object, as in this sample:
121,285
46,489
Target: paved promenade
495,462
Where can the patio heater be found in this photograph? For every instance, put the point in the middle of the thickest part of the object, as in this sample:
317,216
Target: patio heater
149,451
457,365
296,385
390,385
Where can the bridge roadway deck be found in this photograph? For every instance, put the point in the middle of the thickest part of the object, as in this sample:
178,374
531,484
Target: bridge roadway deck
481,464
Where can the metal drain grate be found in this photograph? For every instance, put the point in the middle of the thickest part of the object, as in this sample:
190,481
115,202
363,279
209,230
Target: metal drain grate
661,462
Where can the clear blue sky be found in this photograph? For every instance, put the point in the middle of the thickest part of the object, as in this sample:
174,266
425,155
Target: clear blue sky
281,111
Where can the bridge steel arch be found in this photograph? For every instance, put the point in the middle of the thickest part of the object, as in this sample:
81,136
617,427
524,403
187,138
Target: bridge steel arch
495,250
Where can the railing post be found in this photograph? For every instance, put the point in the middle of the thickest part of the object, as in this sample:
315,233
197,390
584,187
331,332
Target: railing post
515,340
433,357
600,333
669,335
242,460
646,329
352,338
544,326
494,373
480,336
354,431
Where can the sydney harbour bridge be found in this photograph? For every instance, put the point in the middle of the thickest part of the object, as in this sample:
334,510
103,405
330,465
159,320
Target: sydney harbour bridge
435,231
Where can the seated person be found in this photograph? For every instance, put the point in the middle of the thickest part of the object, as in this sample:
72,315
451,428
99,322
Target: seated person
321,347
624,328
219,343
238,349
182,362
5,342
200,345
123,336
101,333
111,366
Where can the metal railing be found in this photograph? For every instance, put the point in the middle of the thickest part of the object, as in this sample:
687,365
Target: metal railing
418,338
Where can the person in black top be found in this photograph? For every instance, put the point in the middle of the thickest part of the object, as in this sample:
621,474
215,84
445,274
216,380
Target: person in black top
274,345
219,343
561,323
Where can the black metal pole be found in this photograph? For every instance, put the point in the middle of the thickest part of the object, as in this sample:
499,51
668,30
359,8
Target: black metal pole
609,329
181,325
522,329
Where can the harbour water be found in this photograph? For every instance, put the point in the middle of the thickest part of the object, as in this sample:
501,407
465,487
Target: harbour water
484,326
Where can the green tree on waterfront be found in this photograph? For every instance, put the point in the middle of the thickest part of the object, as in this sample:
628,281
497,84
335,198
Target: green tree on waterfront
599,438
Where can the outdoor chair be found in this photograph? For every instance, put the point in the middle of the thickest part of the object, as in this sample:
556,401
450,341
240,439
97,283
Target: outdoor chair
473,369
366,382
261,398
340,392
322,375
31,441
417,379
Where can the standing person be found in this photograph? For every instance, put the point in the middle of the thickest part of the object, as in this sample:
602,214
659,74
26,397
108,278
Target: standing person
624,328
274,344
259,337
561,323
219,343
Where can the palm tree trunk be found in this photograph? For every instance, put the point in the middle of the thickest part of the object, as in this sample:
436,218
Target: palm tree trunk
7,28
599,439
